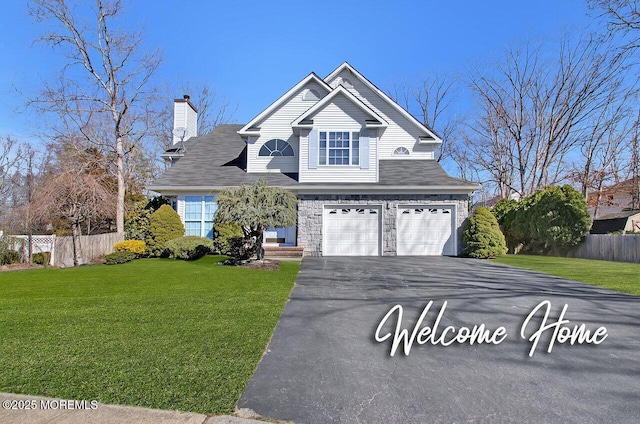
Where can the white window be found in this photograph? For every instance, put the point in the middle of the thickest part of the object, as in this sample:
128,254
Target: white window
400,151
339,148
276,147
198,215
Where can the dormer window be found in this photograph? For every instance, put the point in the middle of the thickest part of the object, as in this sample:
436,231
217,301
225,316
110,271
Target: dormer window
339,148
401,151
276,147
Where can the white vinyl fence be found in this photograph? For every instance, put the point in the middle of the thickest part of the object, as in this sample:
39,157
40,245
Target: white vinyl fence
609,247
61,248
39,244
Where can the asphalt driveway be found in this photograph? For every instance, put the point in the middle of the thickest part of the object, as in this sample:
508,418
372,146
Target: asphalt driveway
323,364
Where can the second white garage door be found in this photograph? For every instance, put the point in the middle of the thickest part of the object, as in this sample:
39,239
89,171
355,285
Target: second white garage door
425,230
352,231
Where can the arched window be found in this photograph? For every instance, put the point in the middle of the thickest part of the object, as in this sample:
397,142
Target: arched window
401,151
276,147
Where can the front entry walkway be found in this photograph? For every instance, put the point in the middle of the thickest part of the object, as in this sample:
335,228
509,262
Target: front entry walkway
324,365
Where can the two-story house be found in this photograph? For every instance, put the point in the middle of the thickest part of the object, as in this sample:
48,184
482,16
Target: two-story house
363,168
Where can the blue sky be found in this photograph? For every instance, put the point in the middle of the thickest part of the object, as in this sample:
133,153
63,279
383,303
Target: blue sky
251,52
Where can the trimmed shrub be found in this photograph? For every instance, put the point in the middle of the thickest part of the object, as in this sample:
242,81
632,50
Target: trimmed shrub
136,223
9,257
223,235
119,257
41,258
189,247
138,247
549,221
164,225
482,237
505,212
503,208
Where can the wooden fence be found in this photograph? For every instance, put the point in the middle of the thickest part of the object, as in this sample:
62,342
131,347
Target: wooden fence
61,248
91,247
609,247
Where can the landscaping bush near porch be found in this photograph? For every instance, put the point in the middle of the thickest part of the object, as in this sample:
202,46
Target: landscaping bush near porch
189,247
155,333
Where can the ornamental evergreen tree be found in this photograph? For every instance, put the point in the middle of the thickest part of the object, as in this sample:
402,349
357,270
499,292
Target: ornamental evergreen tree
557,220
549,221
482,237
164,225
254,208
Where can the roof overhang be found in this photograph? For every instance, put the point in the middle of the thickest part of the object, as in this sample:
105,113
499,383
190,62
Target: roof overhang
332,189
305,121
425,129
253,127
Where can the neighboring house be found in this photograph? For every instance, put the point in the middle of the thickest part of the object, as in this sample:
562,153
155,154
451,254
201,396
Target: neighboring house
615,198
362,167
626,221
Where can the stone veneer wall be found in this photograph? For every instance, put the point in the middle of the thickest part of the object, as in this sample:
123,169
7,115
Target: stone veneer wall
311,207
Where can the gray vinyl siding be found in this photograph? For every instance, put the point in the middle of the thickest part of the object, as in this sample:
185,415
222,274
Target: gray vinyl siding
339,115
278,125
400,132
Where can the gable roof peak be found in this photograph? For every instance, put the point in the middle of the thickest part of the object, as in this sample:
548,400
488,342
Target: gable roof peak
339,90
431,134
252,126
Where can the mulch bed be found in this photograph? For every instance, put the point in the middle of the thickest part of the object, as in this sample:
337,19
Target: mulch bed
265,264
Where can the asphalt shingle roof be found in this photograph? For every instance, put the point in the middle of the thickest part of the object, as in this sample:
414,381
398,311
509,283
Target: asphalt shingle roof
622,214
218,159
612,222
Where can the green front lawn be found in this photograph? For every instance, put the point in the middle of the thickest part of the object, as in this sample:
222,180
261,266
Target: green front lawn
156,333
620,276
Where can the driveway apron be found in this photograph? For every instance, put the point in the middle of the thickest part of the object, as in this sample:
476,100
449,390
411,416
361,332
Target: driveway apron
323,364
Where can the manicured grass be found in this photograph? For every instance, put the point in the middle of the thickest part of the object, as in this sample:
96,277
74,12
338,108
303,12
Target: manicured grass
156,333
620,276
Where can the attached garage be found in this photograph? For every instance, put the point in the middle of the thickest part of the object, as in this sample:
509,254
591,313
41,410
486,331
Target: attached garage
352,230
426,230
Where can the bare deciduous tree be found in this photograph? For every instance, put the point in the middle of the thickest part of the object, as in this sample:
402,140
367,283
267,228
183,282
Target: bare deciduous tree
622,18
11,159
432,98
606,139
11,155
102,88
534,110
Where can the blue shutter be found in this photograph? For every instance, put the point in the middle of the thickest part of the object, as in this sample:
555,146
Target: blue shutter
313,149
364,149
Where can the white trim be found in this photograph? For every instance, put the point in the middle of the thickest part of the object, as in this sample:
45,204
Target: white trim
203,208
311,77
386,98
328,148
330,189
454,220
326,99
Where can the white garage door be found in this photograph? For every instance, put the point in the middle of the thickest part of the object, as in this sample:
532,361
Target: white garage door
352,231
425,230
